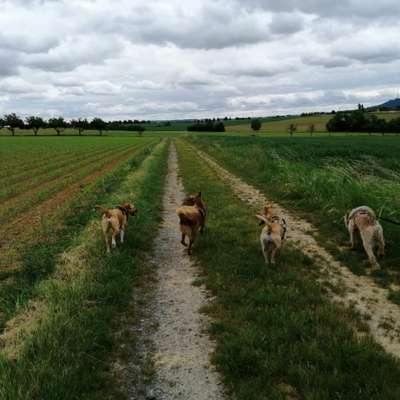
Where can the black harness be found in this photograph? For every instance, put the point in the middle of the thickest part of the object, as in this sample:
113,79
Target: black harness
123,210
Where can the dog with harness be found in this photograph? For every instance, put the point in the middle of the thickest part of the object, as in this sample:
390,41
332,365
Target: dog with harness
363,220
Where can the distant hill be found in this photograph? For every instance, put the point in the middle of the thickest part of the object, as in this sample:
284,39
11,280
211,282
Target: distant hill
389,105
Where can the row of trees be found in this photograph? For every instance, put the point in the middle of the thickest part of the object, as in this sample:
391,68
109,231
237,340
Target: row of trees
209,125
13,122
360,121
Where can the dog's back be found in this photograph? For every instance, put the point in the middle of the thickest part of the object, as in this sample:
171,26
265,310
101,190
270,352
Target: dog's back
362,216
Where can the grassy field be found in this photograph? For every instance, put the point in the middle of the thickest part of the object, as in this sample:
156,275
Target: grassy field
278,336
322,179
281,125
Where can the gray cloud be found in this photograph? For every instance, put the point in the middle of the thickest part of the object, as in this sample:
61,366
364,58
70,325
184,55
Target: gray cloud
173,59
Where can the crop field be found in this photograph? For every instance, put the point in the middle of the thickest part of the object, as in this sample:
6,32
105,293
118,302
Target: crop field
49,187
78,323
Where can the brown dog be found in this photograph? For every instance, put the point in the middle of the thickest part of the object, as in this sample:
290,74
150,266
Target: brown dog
116,219
273,233
192,218
363,220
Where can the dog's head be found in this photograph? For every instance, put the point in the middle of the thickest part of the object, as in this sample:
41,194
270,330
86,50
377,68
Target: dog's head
194,199
265,215
129,208
268,210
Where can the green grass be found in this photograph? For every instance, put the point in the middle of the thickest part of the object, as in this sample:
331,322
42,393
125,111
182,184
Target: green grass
322,179
66,355
276,332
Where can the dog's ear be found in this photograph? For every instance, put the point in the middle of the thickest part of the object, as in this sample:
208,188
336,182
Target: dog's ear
198,195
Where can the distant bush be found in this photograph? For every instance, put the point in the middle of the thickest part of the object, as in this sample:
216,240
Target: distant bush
207,126
360,121
255,124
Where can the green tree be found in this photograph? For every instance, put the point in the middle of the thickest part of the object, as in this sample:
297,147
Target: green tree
99,125
255,124
292,129
81,124
58,124
35,123
12,122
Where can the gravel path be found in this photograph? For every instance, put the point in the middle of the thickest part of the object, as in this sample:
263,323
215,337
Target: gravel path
381,315
171,333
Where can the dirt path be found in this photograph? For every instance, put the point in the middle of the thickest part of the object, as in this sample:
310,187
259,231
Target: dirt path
180,350
381,315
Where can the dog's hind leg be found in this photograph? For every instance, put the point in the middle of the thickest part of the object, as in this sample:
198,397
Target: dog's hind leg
367,239
104,228
351,229
273,254
183,239
115,233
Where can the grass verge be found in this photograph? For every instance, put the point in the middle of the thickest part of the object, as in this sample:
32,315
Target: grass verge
59,345
278,337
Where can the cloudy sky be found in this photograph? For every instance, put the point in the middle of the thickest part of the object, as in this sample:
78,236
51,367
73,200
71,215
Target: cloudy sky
159,59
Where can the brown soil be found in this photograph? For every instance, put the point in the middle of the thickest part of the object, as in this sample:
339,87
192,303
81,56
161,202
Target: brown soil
360,292
31,189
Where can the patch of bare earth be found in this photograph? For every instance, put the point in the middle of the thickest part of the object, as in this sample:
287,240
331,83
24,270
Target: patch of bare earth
173,348
360,292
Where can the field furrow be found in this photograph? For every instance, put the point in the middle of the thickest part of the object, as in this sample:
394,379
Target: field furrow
43,189
46,168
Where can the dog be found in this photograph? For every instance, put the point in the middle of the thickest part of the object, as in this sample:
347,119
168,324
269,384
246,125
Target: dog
117,220
192,218
363,220
273,233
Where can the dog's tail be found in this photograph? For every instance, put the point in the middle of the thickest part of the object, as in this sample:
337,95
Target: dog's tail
104,211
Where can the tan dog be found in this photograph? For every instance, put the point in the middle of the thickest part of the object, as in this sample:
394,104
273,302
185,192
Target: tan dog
116,219
273,233
192,218
363,220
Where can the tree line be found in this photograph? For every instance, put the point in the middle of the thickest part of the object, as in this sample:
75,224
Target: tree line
207,125
12,122
361,121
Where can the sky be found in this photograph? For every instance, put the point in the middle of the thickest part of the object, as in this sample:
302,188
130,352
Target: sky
138,59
